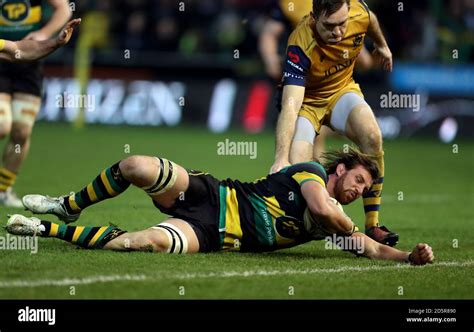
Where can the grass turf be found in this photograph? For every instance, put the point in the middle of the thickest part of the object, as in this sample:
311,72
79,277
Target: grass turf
428,194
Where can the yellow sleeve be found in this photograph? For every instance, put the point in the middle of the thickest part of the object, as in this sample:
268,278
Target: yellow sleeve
2,44
302,177
359,15
302,37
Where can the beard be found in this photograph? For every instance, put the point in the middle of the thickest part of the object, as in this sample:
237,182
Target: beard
339,192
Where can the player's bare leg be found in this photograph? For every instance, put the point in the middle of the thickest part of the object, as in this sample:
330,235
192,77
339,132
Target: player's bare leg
5,115
319,146
362,129
7,178
18,123
25,110
302,145
300,151
156,239
172,236
162,179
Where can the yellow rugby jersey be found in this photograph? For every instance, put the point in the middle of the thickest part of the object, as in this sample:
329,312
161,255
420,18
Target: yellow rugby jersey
2,44
290,12
323,68
267,214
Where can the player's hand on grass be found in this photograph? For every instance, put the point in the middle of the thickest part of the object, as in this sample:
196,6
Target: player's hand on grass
278,165
421,254
66,33
384,56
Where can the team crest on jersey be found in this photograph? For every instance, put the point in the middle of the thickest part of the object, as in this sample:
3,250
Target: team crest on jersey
288,227
15,11
358,40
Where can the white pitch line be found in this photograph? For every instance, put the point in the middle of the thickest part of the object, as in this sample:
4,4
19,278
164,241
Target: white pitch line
71,281
229,274
264,273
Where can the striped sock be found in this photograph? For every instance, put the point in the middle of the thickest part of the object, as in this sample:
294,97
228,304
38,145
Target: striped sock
7,179
86,237
109,183
373,198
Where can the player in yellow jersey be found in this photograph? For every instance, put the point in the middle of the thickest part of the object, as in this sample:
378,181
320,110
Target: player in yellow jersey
291,207
31,50
319,89
283,17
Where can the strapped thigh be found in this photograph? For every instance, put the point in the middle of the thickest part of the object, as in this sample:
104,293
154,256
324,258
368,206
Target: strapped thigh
166,177
178,243
25,111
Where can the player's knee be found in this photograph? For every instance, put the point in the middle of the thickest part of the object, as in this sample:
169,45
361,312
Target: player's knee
169,238
20,134
374,140
145,242
369,139
162,179
131,167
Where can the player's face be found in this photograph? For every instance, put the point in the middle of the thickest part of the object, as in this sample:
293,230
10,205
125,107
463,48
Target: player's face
352,184
332,28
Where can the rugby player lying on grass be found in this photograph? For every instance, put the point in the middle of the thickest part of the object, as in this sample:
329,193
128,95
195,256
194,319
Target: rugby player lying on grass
284,209
29,50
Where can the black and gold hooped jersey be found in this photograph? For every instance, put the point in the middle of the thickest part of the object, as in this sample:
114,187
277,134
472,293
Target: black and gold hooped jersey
19,17
267,214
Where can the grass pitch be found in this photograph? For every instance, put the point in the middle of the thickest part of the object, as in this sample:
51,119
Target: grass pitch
428,197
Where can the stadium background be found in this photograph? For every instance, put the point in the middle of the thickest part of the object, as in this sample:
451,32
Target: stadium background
176,83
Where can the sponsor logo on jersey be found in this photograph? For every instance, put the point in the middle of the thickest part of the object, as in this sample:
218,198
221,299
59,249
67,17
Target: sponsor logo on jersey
299,68
358,40
294,57
288,227
15,11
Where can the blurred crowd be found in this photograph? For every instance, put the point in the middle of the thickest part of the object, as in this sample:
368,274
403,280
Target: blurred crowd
425,30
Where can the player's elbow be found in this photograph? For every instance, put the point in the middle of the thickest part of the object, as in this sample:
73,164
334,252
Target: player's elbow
65,9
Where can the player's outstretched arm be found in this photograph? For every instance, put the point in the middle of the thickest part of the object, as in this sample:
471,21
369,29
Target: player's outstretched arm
382,51
292,100
30,50
422,253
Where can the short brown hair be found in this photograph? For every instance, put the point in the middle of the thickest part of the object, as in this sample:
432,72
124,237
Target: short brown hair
328,7
352,158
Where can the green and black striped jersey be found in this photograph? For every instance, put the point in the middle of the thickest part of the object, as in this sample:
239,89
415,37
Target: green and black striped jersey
267,214
19,17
